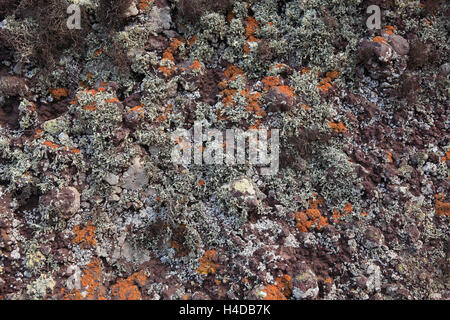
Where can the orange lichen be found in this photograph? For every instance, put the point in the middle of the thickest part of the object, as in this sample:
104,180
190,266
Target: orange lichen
112,100
286,90
196,66
253,105
246,48
311,218
280,290
127,289
332,75
233,71
91,281
250,29
284,284
253,39
168,55
227,96
304,106
251,26
270,82
230,16
85,236
347,210
137,109
51,144
208,263
447,156
98,52
174,45
192,40
143,4
390,29
336,216
220,117
38,133
338,127
90,107
161,118
167,110
201,183
442,208
324,84
389,157
378,39
273,293
59,93
316,202
253,98
166,71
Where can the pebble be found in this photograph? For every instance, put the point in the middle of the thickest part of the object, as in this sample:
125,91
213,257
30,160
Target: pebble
135,177
399,44
112,179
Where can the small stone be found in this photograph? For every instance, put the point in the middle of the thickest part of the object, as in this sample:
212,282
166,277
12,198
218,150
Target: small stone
374,279
132,10
13,86
65,202
373,238
114,197
246,192
85,205
305,285
157,43
399,44
116,190
361,282
383,52
159,19
54,126
200,296
135,177
112,179
412,231
258,293
444,70
68,201
15,254
280,99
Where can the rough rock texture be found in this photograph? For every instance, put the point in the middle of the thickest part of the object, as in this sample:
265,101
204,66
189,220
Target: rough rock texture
92,205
